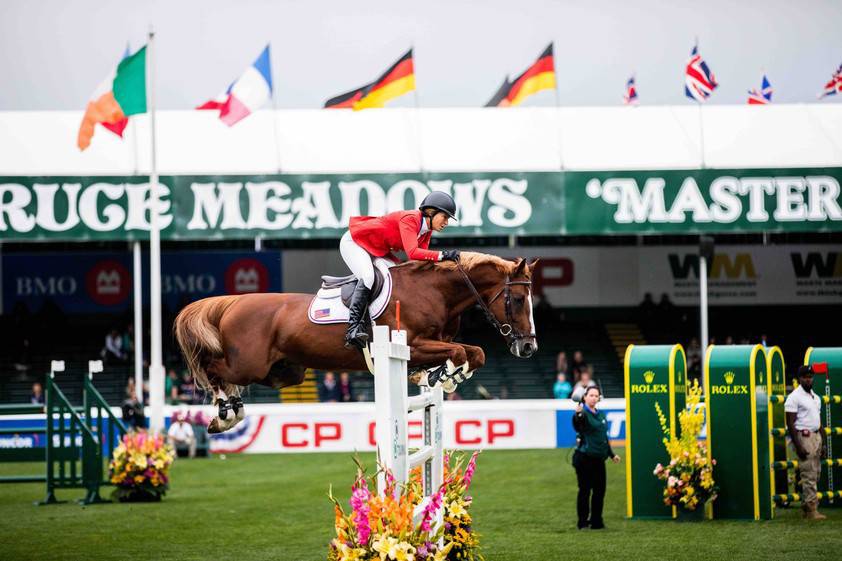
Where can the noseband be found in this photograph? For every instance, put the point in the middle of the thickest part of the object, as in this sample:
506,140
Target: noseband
505,329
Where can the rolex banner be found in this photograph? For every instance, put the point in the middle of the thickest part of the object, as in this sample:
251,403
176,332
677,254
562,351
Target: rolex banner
518,203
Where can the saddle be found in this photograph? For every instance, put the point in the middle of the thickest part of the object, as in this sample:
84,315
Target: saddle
330,304
347,284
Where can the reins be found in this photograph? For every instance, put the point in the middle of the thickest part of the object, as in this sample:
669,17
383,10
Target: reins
505,329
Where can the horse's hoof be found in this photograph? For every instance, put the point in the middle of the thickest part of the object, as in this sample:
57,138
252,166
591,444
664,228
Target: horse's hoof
449,386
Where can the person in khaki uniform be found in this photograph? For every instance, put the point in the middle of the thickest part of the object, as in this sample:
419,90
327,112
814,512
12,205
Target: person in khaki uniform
803,423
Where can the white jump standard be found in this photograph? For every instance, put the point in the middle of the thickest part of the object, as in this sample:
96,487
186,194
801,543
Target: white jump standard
393,405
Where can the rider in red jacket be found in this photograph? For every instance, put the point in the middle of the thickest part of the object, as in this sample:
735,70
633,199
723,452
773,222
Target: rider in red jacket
409,231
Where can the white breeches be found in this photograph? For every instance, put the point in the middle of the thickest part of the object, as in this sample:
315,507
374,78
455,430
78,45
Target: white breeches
357,259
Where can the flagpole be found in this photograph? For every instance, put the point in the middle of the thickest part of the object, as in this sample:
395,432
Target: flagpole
558,115
156,366
415,98
701,136
275,114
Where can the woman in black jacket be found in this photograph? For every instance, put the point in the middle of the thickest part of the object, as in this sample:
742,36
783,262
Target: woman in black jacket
589,459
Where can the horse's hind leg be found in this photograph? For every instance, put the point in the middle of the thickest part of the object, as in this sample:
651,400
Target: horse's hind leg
230,408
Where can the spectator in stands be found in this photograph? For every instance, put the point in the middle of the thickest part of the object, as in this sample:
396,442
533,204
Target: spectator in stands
764,341
647,307
694,359
133,415
584,381
171,387
579,365
128,340
37,395
181,436
729,340
589,459
187,389
329,389
561,366
562,388
22,355
665,306
346,390
113,349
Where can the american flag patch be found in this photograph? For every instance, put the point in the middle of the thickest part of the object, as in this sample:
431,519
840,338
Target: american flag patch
319,314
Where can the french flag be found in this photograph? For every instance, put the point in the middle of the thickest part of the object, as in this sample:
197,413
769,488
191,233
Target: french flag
246,94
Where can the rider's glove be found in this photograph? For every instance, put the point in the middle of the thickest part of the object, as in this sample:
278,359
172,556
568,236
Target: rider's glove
450,255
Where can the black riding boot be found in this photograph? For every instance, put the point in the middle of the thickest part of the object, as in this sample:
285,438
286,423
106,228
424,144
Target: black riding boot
357,336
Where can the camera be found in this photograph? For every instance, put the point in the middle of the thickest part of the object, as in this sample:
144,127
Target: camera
579,393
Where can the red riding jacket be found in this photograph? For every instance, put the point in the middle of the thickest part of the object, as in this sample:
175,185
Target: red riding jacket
397,231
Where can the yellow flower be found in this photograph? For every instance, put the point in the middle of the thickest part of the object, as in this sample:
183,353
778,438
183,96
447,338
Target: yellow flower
403,552
441,554
456,509
383,545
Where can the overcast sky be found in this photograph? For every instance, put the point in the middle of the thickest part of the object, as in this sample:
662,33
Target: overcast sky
53,53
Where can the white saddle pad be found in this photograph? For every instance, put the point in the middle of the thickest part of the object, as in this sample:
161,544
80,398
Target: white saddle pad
327,306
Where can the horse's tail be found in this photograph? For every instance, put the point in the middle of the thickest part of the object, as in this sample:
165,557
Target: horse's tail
197,332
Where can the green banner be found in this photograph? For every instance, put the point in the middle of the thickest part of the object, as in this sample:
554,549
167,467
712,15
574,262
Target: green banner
517,203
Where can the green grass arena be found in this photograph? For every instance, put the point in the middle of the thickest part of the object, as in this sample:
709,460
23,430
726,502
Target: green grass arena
275,507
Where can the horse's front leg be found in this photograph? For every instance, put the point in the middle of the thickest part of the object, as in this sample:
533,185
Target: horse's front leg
449,360
476,359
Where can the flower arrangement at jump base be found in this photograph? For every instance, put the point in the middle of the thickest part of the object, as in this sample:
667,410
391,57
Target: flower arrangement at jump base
689,476
140,467
382,528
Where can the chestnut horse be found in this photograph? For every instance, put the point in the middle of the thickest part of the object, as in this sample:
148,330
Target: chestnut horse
234,341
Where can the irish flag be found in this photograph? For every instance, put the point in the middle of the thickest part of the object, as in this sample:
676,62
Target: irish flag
121,94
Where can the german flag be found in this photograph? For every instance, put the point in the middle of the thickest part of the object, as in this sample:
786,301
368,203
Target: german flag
346,100
396,81
500,99
539,76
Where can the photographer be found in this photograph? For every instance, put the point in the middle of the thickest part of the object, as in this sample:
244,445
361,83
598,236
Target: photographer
589,457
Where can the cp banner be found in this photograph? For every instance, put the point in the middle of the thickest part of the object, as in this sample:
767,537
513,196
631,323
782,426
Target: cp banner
518,203
102,282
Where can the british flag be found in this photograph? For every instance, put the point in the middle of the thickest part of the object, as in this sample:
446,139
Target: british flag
762,97
699,81
834,86
630,97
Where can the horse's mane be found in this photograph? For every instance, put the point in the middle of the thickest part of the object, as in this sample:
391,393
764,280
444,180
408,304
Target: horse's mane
468,259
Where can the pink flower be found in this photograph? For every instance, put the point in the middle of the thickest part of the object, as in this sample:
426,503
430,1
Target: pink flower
672,481
432,507
469,471
359,503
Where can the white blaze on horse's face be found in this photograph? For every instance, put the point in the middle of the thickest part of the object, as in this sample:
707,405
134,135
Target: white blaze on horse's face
526,344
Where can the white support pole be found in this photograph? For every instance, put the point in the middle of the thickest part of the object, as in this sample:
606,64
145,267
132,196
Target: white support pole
156,365
390,394
137,276
393,406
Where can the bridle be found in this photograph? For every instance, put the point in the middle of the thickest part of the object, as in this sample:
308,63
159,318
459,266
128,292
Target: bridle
505,329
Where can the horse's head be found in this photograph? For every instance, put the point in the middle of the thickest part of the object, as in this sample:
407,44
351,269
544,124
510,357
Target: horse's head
511,305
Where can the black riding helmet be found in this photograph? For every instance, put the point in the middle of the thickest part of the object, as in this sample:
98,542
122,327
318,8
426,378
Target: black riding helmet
440,201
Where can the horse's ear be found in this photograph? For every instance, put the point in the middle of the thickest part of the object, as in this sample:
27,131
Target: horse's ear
521,266
532,265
